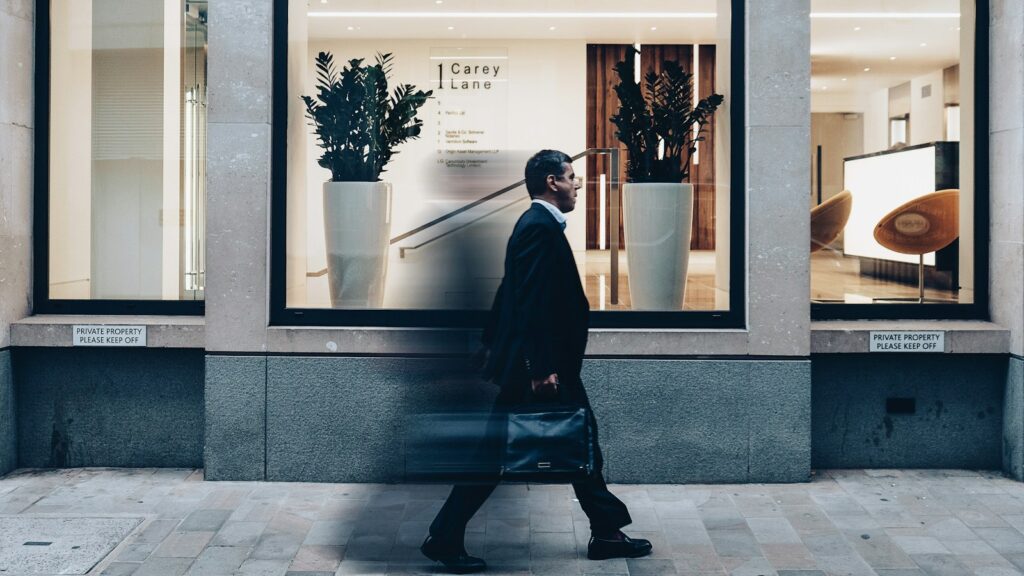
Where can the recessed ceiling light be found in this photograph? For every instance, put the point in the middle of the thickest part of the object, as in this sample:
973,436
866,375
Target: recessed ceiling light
451,27
923,44
892,57
824,87
323,1
957,28
856,28
844,79
351,28
654,27
551,28
438,1
867,69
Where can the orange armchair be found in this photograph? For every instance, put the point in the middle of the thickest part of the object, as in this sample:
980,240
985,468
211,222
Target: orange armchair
925,224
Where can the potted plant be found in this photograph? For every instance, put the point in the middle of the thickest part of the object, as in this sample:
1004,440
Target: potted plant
660,127
358,124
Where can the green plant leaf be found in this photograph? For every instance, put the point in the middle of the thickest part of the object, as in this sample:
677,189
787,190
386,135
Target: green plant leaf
357,123
658,123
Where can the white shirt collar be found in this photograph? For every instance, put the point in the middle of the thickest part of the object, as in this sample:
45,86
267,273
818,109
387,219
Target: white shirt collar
551,208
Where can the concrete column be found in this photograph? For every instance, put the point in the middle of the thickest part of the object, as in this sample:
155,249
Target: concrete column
778,132
16,109
237,253
1006,176
1006,204
238,157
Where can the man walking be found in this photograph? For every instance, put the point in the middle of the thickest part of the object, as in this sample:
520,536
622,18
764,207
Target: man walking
536,336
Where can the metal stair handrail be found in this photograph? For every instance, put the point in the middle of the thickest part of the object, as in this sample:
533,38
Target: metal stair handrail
614,154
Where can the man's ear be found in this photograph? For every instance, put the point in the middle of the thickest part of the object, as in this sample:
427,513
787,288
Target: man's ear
550,181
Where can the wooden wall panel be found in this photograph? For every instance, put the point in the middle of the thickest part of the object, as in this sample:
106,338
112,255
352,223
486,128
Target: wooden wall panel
602,103
652,55
703,173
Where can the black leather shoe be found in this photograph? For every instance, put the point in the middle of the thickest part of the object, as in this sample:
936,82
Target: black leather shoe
600,549
456,560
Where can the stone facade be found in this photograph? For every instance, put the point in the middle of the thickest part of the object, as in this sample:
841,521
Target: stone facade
284,403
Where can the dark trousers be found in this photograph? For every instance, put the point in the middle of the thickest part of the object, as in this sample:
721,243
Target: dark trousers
606,512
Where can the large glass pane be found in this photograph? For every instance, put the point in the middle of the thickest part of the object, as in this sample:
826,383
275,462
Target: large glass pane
892,146
127,150
507,81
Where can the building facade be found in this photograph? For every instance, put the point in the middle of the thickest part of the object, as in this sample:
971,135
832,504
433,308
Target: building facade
780,360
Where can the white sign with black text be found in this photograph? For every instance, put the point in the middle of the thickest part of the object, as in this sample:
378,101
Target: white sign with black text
908,341
108,335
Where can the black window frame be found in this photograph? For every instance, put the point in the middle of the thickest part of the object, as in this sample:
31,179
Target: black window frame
979,309
282,315
42,303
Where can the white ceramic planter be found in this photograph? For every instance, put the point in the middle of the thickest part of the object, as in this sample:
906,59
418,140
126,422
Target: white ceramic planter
657,219
357,228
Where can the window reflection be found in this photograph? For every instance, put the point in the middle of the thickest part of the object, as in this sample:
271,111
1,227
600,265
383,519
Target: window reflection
127,182
503,88
891,146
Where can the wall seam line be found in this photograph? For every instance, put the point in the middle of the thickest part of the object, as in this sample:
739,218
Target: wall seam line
266,416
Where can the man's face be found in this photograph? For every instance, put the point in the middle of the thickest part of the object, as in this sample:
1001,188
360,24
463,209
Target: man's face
564,188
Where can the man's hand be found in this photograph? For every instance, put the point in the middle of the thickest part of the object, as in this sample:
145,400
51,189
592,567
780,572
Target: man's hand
545,387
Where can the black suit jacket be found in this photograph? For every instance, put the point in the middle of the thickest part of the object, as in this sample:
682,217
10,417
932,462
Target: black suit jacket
538,323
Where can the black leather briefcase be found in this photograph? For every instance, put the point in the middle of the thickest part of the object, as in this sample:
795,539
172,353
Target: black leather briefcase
545,443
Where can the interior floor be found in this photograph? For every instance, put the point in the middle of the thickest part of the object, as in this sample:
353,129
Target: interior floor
834,278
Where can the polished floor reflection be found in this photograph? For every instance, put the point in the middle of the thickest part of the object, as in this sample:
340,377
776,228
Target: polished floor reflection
415,283
837,278
701,292
418,284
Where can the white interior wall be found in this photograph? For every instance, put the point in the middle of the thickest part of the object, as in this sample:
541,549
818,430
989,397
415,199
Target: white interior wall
298,131
115,142
544,107
840,136
723,154
128,149
876,121
927,112
70,149
171,212
967,143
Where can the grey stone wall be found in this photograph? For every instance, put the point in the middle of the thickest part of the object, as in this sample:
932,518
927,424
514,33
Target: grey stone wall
957,423
8,437
238,165
1006,179
1013,419
109,407
16,108
236,418
343,419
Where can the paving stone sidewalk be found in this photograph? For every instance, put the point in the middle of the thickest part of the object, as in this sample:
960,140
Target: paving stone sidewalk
849,522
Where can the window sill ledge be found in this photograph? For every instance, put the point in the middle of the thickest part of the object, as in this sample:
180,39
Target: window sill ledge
962,336
602,341
54,331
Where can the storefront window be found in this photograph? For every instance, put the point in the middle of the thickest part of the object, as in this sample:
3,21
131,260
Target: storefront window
893,199
127,151
503,83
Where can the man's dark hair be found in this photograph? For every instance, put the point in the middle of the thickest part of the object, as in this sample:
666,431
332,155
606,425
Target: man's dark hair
540,166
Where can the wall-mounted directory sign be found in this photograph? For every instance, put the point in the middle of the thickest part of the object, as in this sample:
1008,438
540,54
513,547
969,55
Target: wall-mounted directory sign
471,89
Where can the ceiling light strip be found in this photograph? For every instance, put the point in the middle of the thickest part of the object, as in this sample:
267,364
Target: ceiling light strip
490,15
884,15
